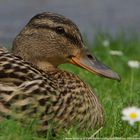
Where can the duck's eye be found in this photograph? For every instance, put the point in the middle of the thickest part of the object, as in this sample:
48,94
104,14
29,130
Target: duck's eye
60,30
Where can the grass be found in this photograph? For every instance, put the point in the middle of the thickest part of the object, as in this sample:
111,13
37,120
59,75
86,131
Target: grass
113,95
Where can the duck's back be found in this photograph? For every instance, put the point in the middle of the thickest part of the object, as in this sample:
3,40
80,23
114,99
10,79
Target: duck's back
59,97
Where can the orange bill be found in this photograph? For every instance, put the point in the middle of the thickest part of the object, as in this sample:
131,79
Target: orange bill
90,63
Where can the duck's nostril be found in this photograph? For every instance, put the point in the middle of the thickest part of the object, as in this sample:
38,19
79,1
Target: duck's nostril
89,56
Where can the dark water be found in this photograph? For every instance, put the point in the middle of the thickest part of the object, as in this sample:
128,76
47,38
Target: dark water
90,15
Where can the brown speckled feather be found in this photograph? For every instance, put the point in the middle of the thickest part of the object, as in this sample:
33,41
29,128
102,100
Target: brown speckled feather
58,97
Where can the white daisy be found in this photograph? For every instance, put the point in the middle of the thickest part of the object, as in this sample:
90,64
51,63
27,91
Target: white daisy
133,63
106,43
116,52
131,114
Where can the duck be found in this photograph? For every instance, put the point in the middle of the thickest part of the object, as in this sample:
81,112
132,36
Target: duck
33,87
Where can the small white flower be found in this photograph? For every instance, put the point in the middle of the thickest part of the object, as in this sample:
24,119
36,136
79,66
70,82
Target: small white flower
131,114
133,63
106,43
116,52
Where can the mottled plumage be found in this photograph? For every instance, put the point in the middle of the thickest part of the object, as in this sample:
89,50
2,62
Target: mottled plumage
54,96
31,85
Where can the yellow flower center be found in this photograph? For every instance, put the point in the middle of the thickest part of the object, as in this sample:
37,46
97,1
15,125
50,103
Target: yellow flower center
133,115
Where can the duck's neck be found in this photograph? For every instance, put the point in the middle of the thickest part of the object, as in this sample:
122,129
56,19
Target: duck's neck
46,66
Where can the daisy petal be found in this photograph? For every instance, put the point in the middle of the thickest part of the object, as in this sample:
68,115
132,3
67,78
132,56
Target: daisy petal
133,64
131,114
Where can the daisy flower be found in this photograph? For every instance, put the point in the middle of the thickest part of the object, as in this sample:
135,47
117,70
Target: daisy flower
106,43
133,64
131,114
116,52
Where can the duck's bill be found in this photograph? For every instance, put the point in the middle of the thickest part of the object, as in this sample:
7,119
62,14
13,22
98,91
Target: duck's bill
90,63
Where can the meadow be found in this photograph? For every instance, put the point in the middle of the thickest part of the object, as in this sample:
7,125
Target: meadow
114,96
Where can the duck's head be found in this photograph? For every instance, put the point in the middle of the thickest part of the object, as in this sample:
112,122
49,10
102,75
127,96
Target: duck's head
49,40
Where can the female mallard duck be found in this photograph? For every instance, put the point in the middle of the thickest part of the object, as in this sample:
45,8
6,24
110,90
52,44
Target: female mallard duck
33,87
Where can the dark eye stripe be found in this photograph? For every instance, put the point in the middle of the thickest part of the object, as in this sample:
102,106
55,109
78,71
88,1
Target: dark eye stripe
70,37
73,39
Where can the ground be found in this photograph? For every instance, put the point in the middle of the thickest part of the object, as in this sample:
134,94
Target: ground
113,95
